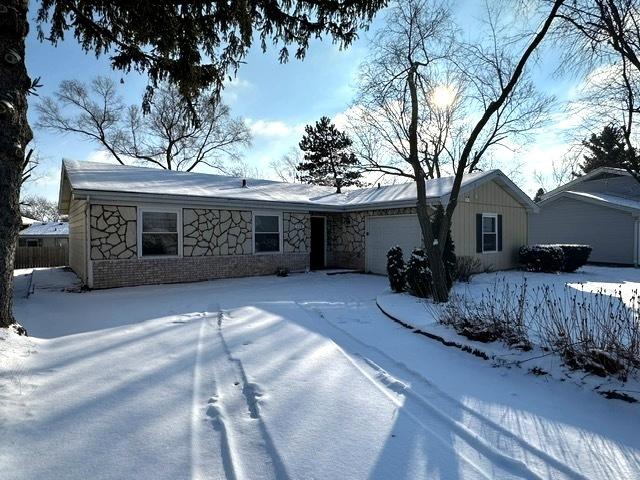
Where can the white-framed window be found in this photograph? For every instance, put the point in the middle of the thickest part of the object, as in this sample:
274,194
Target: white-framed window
489,232
267,232
159,233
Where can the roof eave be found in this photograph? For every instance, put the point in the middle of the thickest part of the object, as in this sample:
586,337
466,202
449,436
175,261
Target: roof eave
596,201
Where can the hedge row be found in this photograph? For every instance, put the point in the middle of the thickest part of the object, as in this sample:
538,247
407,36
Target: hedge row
554,258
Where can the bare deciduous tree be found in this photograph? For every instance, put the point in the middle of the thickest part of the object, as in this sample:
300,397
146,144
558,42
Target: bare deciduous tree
602,37
285,168
167,137
429,103
40,208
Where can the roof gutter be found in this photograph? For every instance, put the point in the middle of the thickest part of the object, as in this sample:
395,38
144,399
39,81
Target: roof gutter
221,202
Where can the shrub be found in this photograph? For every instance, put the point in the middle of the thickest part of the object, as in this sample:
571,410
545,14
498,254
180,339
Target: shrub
466,266
593,331
575,256
542,258
282,272
396,269
500,314
419,278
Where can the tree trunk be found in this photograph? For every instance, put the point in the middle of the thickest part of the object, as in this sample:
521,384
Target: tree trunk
14,137
432,248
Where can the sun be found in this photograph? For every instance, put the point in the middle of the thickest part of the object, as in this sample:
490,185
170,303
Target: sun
443,96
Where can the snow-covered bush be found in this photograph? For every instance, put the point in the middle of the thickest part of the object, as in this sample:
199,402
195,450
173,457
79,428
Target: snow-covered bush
282,272
592,331
575,256
542,258
466,266
396,269
419,278
500,314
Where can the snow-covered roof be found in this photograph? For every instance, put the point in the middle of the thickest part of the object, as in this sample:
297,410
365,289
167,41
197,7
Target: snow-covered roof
46,229
593,174
28,220
103,178
606,199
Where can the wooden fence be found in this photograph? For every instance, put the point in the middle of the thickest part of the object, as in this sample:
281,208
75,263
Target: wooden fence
34,257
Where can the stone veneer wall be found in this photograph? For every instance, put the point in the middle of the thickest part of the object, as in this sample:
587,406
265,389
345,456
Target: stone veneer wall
296,230
346,236
147,271
113,232
216,232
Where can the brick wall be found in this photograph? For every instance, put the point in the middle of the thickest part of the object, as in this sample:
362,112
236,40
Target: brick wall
147,271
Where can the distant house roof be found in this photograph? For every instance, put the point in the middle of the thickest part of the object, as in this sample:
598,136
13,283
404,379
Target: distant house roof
121,182
604,199
592,175
28,220
46,229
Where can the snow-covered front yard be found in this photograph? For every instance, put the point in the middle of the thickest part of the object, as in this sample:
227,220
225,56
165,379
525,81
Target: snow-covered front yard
297,377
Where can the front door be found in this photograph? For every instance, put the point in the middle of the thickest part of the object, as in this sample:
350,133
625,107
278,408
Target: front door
317,259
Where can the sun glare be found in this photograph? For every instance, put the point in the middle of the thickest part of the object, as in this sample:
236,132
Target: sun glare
443,96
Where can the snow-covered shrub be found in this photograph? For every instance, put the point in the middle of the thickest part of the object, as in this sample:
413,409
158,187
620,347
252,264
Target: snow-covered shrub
499,314
396,269
466,266
542,258
597,332
282,272
592,331
419,278
575,256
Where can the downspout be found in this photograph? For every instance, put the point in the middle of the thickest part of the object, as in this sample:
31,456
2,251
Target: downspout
87,227
636,242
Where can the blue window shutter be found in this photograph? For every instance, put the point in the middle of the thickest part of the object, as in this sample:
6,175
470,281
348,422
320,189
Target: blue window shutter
478,232
499,233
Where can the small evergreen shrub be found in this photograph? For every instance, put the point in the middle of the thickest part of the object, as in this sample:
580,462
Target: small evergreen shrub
575,256
396,269
542,258
419,278
449,250
282,272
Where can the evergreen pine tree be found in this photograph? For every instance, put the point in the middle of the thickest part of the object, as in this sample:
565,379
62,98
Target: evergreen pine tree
539,195
606,149
327,159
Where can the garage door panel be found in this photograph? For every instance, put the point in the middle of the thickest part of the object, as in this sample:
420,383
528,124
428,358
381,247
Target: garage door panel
386,232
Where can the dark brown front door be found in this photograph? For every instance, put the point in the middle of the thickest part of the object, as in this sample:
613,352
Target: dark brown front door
317,260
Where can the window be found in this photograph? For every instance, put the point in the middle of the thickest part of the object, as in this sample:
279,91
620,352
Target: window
266,233
489,232
30,242
159,233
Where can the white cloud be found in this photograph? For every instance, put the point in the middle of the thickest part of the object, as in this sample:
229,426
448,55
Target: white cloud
272,128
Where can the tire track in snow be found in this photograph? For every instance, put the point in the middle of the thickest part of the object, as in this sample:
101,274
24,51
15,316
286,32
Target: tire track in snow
252,451
500,436
202,410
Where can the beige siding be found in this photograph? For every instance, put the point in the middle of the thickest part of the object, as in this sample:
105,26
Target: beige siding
78,238
490,198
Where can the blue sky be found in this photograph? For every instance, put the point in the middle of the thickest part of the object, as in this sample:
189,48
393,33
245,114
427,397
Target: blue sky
277,100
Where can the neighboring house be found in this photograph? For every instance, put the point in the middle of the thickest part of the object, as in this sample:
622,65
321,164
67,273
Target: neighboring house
44,234
133,226
601,209
26,221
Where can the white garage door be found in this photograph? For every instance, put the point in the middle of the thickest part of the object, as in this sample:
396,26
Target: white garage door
386,232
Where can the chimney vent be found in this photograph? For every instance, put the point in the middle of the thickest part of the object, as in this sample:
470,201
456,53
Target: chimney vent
244,183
